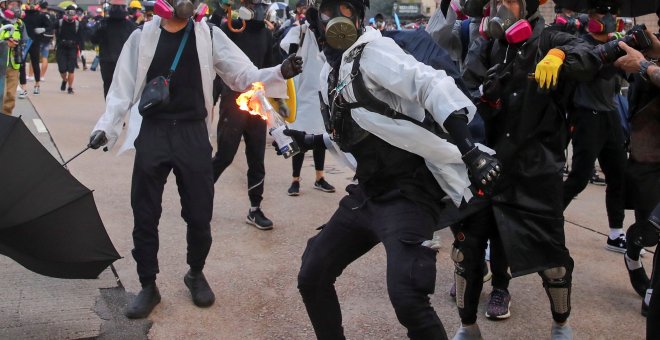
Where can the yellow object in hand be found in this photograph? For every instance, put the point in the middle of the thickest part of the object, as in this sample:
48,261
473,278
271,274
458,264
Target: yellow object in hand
547,70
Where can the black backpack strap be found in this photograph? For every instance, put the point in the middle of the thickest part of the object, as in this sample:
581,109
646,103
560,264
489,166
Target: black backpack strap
366,99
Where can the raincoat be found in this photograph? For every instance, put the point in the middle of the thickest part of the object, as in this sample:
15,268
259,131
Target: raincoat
220,56
529,134
409,87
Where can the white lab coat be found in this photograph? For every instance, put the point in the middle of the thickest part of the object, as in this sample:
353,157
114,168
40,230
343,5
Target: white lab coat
220,57
409,87
308,108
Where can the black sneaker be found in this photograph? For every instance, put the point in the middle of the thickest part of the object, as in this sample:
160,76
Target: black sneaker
294,189
322,185
638,278
70,90
143,303
259,220
200,291
597,180
63,86
617,245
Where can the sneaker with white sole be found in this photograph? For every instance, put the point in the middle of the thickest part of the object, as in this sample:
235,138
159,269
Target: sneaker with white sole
499,302
617,245
259,220
22,94
323,185
294,189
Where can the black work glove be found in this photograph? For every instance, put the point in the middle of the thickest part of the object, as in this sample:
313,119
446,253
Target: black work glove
291,66
494,83
484,169
299,137
97,139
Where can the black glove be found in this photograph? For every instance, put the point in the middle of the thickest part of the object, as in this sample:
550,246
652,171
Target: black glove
483,169
291,66
643,234
493,84
97,139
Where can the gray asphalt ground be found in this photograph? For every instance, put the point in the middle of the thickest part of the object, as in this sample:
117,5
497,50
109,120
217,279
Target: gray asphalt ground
253,272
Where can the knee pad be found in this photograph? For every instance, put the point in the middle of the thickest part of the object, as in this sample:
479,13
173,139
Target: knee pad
642,234
459,276
557,284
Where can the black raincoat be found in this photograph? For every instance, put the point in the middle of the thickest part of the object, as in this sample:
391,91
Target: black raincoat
529,134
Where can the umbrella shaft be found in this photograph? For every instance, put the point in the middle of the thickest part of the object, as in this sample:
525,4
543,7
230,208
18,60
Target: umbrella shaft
74,157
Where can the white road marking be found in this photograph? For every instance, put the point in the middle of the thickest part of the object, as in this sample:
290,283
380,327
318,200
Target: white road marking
41,128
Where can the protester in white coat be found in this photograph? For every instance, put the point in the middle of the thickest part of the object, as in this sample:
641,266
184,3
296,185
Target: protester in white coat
174,137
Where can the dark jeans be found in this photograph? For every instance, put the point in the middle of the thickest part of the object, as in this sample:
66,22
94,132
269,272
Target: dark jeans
107,70
183,147
356,227
471,236
297,161
598,135
232,125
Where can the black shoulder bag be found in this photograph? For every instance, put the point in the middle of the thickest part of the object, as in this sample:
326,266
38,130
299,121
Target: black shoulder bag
156,93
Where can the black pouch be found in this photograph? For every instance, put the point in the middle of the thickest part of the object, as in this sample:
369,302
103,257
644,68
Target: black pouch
155,96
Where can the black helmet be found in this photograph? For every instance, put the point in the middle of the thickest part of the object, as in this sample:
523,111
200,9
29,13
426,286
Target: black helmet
360,5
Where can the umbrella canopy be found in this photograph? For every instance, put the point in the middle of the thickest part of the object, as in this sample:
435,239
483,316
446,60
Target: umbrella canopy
48,220
67,3
627,8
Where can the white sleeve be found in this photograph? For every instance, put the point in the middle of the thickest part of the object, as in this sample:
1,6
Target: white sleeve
119,100
404,76
238,72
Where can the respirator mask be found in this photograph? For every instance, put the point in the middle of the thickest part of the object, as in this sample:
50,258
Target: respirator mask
182,9
339,20
606,24
503,24
257,10
70,15
13,13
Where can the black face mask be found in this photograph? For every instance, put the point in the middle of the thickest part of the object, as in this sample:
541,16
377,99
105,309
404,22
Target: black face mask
117,12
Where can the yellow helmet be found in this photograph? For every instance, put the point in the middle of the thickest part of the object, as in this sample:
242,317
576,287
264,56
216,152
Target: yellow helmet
135,4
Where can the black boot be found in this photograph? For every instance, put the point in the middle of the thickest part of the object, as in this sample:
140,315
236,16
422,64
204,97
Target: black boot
144,302
201,292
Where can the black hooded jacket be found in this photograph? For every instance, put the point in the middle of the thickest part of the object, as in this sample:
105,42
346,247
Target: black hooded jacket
110,35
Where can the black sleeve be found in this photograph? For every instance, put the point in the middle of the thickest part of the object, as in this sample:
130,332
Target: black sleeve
476,65
456,125
580,63
96,33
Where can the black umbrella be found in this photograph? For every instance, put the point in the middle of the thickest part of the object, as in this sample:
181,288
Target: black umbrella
627,8
636,8
48,220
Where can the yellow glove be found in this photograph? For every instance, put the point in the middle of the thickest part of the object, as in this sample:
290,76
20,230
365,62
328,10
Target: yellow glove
547,69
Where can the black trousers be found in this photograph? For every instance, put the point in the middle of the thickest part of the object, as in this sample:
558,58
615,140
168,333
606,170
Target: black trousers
183,147
297,161
598,135
471,236
35,63
356,227
233,125
107,70
653,318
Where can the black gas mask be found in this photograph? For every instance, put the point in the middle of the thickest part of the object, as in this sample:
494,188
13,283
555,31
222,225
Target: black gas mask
340,23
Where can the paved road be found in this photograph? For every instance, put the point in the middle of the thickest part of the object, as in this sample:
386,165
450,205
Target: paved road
253,273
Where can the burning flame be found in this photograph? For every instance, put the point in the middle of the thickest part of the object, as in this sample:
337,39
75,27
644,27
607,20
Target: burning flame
249,101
